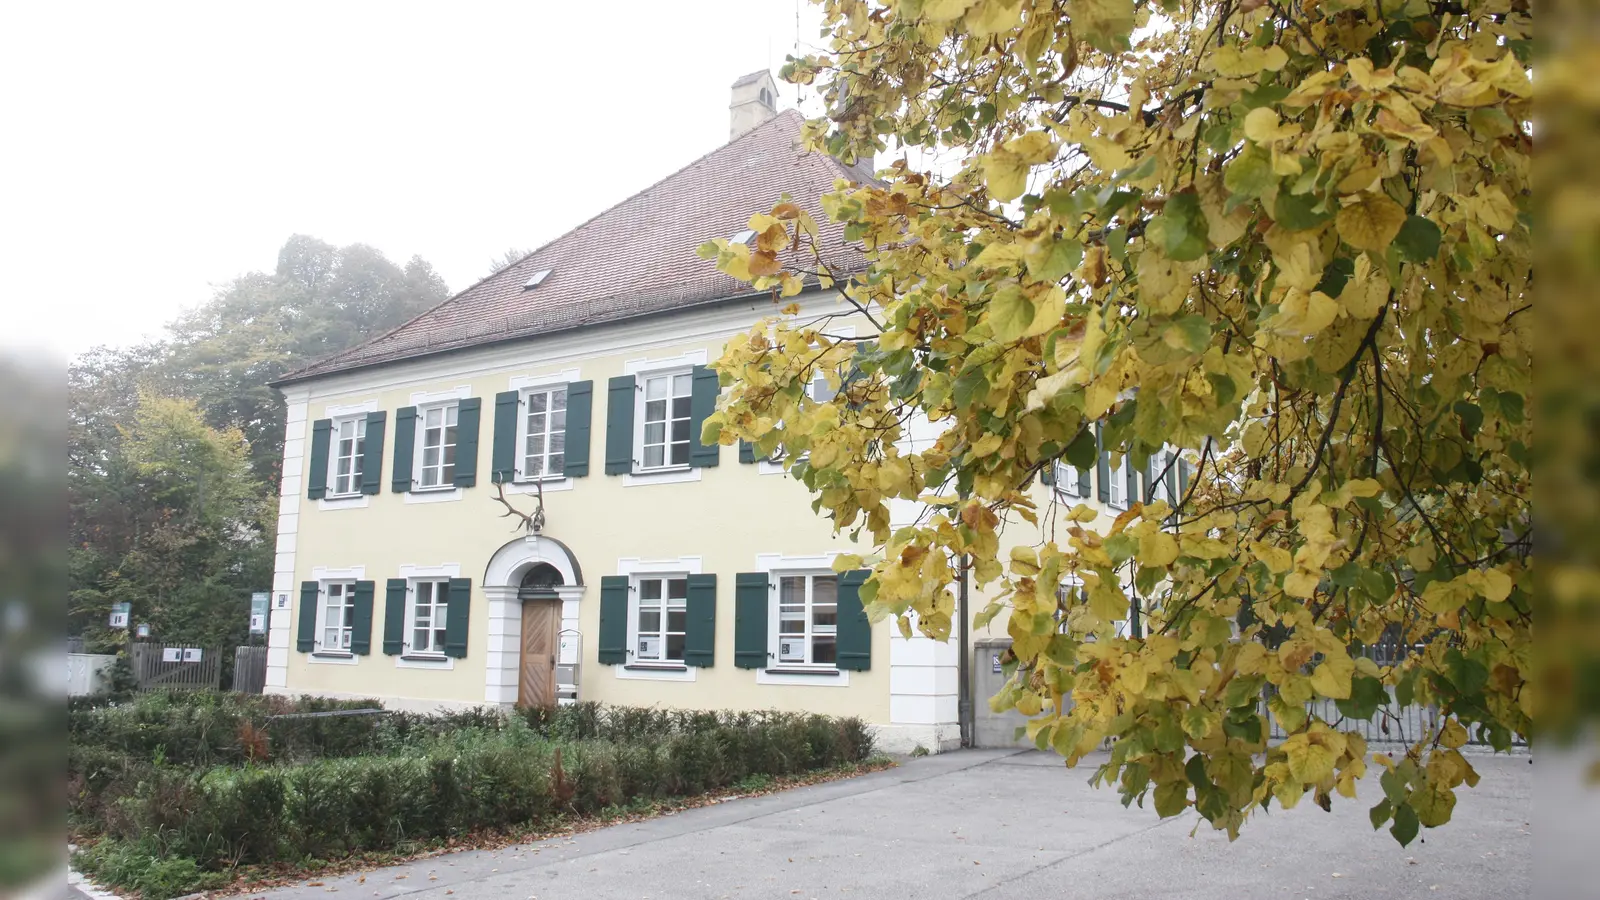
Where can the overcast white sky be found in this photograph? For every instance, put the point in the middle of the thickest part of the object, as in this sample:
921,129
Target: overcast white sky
155,150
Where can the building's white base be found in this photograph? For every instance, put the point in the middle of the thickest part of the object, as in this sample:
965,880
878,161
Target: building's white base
903,739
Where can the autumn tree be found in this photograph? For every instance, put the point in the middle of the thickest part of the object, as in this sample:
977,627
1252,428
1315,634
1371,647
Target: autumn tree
1289,239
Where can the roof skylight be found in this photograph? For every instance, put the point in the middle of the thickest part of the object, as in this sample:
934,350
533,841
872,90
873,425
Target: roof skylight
742,237
533,280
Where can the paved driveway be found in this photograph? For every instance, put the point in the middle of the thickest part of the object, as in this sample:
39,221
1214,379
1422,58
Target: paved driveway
989,824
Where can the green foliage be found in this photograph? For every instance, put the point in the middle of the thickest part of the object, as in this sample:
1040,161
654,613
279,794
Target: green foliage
174,446
146,775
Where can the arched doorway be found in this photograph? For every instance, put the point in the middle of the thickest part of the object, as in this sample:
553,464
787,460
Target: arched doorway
534,586
541,635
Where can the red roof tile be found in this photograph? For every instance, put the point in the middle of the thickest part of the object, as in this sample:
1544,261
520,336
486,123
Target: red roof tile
636,258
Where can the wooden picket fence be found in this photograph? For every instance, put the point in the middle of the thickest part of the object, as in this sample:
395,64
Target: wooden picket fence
250,669
153,672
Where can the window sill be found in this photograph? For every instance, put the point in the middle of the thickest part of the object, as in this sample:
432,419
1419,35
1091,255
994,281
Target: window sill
656,672
424,661
345,501
662,476
433,495
333,658
538,485
813,677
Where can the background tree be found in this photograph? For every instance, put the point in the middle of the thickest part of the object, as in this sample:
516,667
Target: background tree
174,446
1291,240
511,255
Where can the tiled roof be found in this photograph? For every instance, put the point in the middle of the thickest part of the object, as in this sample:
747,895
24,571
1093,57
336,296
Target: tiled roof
752,78
636,258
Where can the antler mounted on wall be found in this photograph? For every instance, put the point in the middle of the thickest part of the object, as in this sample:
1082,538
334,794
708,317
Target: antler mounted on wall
532,522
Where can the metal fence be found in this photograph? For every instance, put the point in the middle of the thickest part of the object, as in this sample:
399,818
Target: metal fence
1392,723
250,669
176,667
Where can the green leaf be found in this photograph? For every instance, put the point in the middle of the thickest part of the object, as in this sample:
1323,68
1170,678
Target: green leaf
1405,824
1335,275
1418,240
1380,814
1056,261
1298,212
1083,452
1471,417
1191,333
1010,314
1366,695
1182,227
1121,547
1249,175
1171,798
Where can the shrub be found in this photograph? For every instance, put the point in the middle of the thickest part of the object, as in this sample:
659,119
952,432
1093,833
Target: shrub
145,868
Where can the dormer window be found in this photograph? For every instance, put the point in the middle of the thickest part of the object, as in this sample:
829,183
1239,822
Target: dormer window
535,279
766,97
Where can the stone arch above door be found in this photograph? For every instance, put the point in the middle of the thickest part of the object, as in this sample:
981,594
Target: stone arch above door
502,579
514,559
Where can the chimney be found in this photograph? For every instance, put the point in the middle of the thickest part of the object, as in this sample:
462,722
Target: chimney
755,100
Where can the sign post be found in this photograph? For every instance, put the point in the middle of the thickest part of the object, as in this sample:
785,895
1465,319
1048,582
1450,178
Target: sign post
258,612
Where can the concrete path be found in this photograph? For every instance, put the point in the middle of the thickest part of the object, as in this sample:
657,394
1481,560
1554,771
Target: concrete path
992,825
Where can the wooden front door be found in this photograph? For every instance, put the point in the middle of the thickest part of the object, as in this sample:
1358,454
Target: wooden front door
536,681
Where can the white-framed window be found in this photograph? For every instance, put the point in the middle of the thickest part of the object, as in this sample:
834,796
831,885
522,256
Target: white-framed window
808,620
1067,480
1069,593
663,433
426,614
337,617
543,433
436,445
660,618
1117,490
344,463
1159,461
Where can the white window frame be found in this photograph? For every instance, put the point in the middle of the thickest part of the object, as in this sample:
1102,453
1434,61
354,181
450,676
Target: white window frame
775,620
418,466
347,590
438,616
1158,463
524,411
636,605
641,391
359,423
1117,488
1066,477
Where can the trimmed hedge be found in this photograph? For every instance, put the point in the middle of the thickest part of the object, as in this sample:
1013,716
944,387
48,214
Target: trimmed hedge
453,783
182,787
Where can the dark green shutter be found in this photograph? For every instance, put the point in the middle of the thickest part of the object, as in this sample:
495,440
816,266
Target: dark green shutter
619,427
855,632
361,627
1184,473
372,453
750,621
467,416
613,644
1102,466
747,451
700,638
1047,475
580,409
702,403
1172,464
306,638
507,405
394,617
317,478
456,618
1133,493
405,443
1085,483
